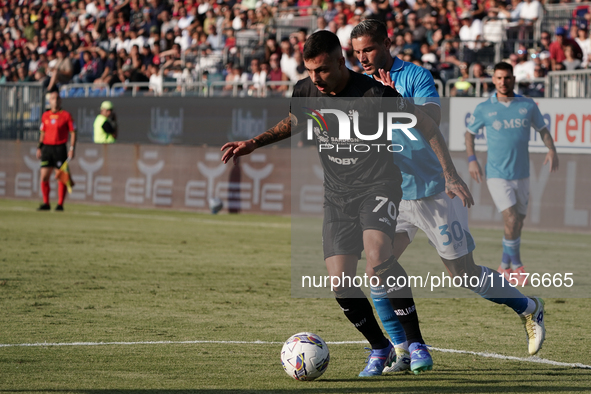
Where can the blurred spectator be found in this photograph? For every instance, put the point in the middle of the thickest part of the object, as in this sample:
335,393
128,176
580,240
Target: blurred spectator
7,75
584,43
351,61
275,73
411,47
515,9
530,11
535,88
418,31
557,47
258,78
493,29
524,69
61,69
570,62
462,88
128,74
236,75
215,40
344,31
486,87
471,32
288,62
422,9
156,80
301,71
545,61
545,41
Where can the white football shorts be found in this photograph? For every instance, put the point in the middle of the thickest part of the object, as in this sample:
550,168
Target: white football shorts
443,219
506,193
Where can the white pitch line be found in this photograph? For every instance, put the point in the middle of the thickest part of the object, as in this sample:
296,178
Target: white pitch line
532,359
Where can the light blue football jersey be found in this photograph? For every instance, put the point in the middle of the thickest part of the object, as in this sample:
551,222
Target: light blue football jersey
508,127
422,175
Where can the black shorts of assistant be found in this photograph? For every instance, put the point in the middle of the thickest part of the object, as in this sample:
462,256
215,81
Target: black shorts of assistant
342,234
53,155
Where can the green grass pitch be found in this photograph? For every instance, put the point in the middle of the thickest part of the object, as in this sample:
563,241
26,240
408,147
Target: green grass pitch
104,274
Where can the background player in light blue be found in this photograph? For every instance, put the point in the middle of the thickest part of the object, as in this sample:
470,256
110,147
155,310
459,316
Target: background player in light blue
425,204
508,119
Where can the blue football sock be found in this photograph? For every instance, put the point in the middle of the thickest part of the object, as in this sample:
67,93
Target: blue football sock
496,289
387,316
506,261
511,248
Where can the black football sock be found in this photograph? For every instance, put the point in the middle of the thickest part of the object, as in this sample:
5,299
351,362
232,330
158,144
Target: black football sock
358,310
395,281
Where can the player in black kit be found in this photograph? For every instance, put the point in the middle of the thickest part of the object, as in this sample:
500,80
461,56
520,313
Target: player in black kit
362,189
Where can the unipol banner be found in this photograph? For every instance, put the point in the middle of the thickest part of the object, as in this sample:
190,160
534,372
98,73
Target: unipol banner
569,122
181,121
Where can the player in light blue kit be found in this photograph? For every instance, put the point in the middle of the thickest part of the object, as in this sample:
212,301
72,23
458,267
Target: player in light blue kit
508,119
425,204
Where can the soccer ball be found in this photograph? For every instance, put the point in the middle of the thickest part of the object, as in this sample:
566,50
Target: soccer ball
215,205
305,356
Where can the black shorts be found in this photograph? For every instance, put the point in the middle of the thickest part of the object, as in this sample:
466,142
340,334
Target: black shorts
53,155
342,233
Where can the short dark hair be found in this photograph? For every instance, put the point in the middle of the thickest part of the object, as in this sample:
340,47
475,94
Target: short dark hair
54,89
322,41
372,28
504,66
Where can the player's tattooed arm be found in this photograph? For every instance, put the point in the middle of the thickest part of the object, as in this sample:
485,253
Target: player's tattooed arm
551,156
454,185
280,131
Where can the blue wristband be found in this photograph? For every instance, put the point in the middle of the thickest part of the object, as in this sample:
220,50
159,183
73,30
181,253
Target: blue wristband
472,158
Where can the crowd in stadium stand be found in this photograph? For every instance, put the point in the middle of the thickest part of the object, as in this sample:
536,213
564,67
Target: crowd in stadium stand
112,41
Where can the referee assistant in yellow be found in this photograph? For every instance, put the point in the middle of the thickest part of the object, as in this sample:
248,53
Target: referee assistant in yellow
105,125
56,125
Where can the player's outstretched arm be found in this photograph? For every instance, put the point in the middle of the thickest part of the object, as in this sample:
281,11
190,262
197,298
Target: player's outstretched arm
473,165
280,131
454,185
551,156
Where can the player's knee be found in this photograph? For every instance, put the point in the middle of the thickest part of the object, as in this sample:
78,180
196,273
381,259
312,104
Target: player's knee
511,222
377,255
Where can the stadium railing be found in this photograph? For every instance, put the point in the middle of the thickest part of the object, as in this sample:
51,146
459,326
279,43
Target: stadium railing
470,51
571,84
440,87
166,89
21,107
478,86
250,89
474,91
84,90
183,89
513,29
565,15
291,19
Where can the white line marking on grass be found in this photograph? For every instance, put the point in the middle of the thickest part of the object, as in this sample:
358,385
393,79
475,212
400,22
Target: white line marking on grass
532,359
